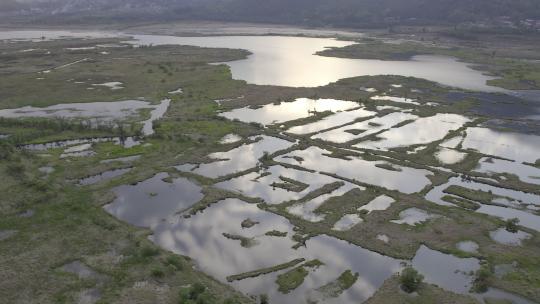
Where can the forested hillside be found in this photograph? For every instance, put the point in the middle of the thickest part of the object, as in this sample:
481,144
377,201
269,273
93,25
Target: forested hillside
345,13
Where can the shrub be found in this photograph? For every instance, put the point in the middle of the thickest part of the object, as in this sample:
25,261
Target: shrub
39,185
481,282
5,150
512,225
175,261
148,251
158,273
196,290
266,156
410,279
195,294
16,170
364,212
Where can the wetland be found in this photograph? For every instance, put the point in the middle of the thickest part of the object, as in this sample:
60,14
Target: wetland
260,169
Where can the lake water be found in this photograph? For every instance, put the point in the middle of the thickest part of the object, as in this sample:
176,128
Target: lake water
379,203
526,173
421,131
107,175
364,128
291,61
331,121
448,156
201,238
147,203
157,113
104,111
445,270
307,210
265,185
527,219
505,237
286,111
347,222
468,246
408,180
413,216
239,159
230,139
513,146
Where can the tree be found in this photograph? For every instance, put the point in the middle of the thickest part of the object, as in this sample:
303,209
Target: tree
481,281
263,299
512,225
410,279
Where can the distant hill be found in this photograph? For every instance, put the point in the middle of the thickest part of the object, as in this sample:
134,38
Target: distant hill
375,12
342,13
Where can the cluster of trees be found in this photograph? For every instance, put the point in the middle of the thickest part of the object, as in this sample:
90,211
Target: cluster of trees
345,13
362,13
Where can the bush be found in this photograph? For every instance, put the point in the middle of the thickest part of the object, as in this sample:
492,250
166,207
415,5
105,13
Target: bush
512,225
266,156
16,170
148,251
39,185
195,294
197,289
410,279
158,273
6,150
481,282
175,261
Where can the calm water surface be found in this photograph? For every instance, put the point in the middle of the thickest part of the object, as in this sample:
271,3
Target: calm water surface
201,238
147,203
291,61
408,180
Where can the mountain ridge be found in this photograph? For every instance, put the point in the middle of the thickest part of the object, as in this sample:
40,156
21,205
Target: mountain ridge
339,13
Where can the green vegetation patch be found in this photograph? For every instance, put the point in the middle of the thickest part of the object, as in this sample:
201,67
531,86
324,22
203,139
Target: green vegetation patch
482,279
290,280
290,184
67,224
410,279
244,241
388,166
514,73
497,301
248,223
473,195
390,292
293,278
256,273
337,287
276,233
460,202
198,294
